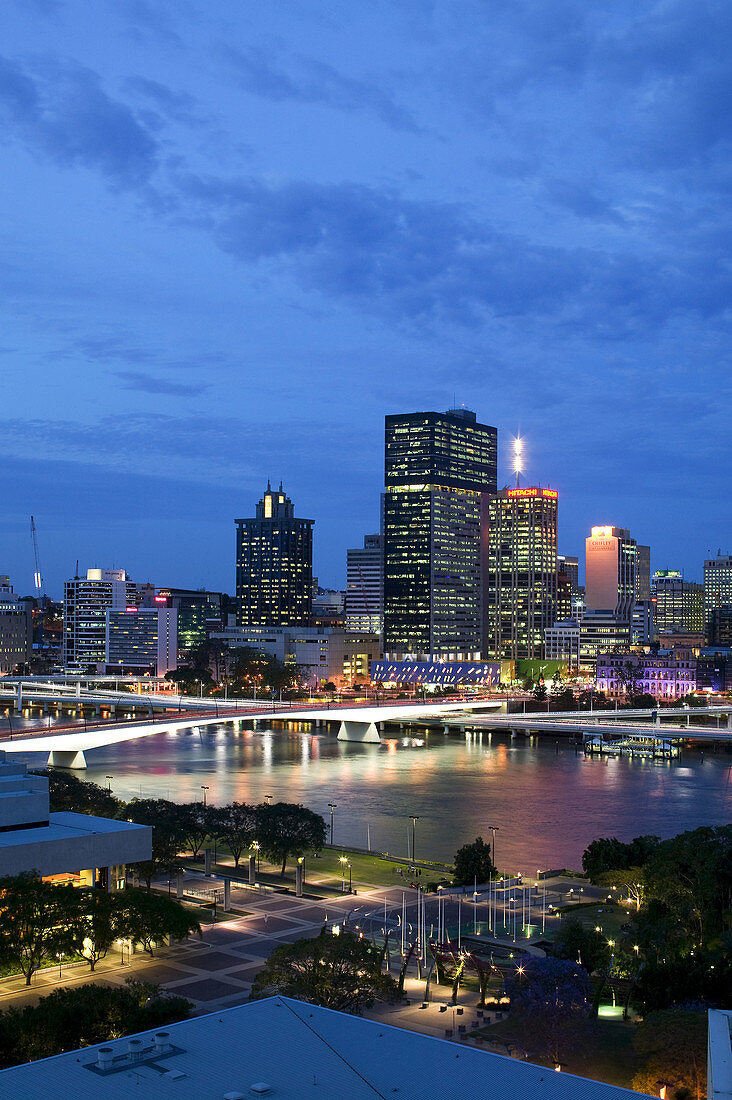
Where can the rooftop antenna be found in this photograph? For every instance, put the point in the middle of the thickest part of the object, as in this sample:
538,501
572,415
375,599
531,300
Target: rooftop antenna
518,458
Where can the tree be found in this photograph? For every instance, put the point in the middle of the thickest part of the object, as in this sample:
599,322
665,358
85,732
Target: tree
147,918
691,877
194,822
473,863
540,691
674,1047
168,834
574,941
552,998
69,793
631,880
190,680
236,826
629,676
35,921
563,697
95,924
340,972
288,829
605,854
82,1016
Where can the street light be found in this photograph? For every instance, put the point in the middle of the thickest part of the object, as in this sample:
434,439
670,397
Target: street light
494,829
268,799
343,861
204,789
414,818
350,880
332,806
109,779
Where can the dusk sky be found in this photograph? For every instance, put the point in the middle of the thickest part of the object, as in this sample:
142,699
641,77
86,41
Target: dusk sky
237,234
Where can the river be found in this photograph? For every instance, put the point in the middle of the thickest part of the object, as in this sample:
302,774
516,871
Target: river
547,799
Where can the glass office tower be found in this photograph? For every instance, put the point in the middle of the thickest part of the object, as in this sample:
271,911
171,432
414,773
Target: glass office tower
521,578
439,468
274,564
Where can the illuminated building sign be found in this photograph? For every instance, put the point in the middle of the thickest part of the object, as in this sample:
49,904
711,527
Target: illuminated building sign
552,494
130,609
161,599
602,532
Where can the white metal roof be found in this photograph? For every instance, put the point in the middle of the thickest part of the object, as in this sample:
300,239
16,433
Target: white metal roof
298,1050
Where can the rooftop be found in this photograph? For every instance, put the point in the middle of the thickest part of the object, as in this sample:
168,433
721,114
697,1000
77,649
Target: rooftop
287,1049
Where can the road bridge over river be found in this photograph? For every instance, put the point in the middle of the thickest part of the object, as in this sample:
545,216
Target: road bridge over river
66,748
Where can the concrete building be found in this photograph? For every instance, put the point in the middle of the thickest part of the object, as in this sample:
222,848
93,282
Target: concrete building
289,1049
677,604
714,669
717,585
86,602
665,674
643,573
365,586
569,591
439,470
198,613
274,564
87,850
602,631
16,629
141,640
520,581
720,626
324,654
562,643
610,568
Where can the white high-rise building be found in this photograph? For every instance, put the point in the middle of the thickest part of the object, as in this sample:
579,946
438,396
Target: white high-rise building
86,602
365,586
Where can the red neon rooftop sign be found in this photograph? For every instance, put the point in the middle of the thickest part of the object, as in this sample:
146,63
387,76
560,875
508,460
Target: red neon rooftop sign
552,494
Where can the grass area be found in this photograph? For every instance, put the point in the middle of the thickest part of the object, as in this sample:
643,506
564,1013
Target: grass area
607,1054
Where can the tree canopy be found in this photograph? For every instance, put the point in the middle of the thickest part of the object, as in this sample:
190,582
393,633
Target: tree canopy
673,1045
70,794
35,921
285,829
340,972
552,997
473,863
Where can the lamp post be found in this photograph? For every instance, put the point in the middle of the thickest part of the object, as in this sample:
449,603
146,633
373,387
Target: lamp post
268,799
414,818
343,861
109,779
332,806
204,789
350,880
494,829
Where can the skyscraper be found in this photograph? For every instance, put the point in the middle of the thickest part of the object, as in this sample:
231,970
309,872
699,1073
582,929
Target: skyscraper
610,568
717,585
677,604
274,564
365,586
86,601
521,578
438,469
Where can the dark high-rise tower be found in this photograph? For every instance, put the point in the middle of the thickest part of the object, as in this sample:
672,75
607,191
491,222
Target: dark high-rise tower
438,468
274,564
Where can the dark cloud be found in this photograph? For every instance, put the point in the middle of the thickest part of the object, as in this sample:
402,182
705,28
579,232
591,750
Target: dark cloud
63,111
313,81
147,383
176,106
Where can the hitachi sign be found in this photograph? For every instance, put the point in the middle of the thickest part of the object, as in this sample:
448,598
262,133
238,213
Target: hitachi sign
551,493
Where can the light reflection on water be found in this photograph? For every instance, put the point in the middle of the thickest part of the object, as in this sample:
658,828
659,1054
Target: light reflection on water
548,799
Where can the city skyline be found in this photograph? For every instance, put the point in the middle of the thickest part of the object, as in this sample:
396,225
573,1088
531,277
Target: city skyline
240,238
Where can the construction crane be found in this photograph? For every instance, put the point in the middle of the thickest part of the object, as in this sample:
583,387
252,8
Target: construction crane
38,582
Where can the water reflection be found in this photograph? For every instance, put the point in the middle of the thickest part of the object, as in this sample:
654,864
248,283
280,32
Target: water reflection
548,799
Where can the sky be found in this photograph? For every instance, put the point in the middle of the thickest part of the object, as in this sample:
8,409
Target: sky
235,235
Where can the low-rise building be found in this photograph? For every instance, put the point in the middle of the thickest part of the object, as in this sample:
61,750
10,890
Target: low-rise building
324,654
562,643
714,669
141,639
92,851
289,1049
665,674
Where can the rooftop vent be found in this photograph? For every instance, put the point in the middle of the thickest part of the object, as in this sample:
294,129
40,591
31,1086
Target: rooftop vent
259,1087
162,1042
135,1049
104,1057
234,1096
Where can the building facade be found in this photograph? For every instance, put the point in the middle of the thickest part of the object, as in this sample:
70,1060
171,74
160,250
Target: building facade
665,675
717,585
16,629
365,586
141,640
198,613
610,569
86,602
562,643
323,654
720,626
439,468
274,564
520,582
677,604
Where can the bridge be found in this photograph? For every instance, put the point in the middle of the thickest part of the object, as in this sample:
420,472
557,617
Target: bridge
66,748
